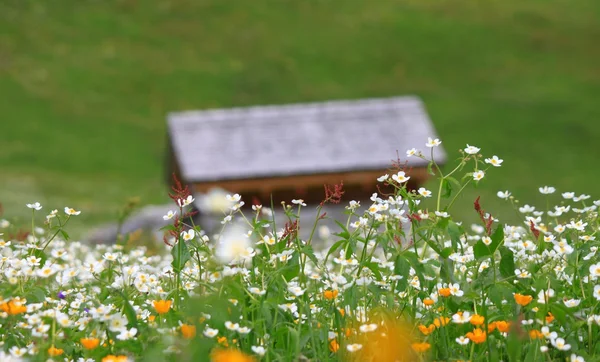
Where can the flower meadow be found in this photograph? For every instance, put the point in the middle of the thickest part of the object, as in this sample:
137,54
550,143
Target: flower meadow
396,281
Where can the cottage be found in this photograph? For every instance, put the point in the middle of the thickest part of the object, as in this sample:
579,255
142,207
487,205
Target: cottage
288,151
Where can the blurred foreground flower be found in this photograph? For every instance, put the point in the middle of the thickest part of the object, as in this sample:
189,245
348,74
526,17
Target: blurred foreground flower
230,355
392,341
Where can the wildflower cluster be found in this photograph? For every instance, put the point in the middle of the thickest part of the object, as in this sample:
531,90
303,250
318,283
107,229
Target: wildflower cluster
398,281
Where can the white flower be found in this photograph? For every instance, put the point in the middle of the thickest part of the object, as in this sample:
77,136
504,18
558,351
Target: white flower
576,358
234,246
365,328
597,292
400,177
455,290
257,291
233,198
522,274
525,209
433,142
127,334
595,270
232,326
35,206
259,350
210,333
546,190
296,290
568,195
216,201
411,152
486,240
169,215
383,178
472,150
503,194
478,175
543,349
117,323
442,214
244,330
298,202
17,352
354,347
71,211
185,202
560,344
461,318
424,192
494,161
188,235
543,295
572,303
462,340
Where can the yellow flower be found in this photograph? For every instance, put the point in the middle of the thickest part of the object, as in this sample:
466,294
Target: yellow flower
477,320
444,292
441,321
162,306
523,299
89,343
428,302
334,346
535,334
477,336
230,355
420,347
13,307
426,330
330,294
188,331
53,351
503,326
223,340
113,358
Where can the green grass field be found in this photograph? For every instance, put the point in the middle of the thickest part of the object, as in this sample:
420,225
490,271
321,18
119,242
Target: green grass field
85,85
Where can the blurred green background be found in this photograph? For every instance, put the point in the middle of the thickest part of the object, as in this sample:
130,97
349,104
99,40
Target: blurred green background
85,85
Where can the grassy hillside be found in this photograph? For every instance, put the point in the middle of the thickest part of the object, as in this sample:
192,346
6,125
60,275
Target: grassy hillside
85,85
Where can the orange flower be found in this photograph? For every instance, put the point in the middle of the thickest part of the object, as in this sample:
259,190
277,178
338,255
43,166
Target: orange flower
151,318
428,301
113,358
188,331
549,318
503,326
491,327
523,299
53,351
441,321
89,343
223,340
334,346
444,292
420,347
477,320
342,312
230,355
330,294
535,334
348,332
426,330
13,307
477,336
162,306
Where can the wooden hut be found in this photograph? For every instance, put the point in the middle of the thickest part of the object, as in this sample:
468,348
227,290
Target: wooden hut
291,151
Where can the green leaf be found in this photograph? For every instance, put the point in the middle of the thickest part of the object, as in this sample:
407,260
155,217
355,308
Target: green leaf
308,251
345,233
374,267
335,247
447,188
455,233
507,262
181,255
291,269
514,346
36,295
64,234
481,250
430,169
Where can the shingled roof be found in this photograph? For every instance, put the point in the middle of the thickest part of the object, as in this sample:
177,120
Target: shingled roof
297,139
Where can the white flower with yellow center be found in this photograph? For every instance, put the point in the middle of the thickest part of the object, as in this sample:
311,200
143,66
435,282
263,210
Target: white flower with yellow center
412,152
472,150
188,235
597,292
210,333
170,214
354,347
560,344
36,206
478,175
257,291
503,195
433,142
424,192
71,212
486,240
461,318
494,161
234,246
546,190
216,201
366,328
400,177
572,303
462,340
